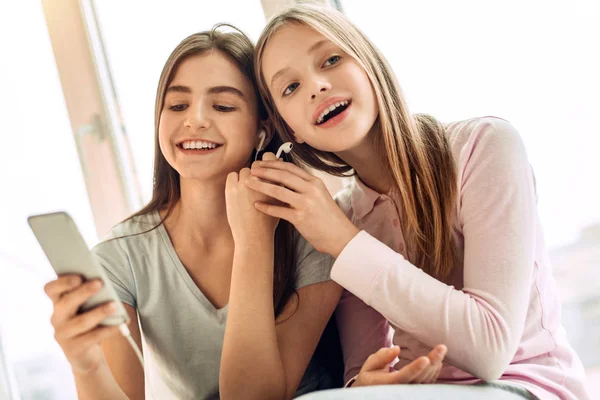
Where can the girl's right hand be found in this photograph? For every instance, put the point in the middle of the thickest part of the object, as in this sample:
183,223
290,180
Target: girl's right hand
376,370
79,335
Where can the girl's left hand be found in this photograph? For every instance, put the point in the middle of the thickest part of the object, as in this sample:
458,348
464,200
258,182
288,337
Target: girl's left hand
307,204
246,222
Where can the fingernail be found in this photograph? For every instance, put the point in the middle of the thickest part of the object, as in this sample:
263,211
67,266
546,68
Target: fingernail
111,307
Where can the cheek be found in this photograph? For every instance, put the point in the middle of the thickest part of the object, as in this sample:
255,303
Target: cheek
292,115
164,136
241,135
365,89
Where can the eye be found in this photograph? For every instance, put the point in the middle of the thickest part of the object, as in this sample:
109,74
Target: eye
178,107
290,89
222,108
331,61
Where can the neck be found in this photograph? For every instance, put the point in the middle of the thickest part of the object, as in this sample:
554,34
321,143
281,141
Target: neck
366,159
200,215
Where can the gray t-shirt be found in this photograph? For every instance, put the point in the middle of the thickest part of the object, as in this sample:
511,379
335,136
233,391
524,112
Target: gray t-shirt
182,331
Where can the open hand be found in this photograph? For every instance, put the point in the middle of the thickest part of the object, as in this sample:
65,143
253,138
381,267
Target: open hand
376,370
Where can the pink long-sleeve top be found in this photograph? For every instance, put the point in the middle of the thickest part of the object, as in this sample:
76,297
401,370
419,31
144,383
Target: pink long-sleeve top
499,312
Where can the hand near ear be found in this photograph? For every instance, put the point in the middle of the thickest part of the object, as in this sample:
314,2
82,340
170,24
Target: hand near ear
306,203
248,225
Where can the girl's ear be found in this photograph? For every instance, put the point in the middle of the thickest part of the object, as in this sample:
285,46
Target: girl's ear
262,137
266,133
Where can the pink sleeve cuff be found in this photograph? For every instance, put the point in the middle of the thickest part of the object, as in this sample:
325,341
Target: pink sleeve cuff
360,263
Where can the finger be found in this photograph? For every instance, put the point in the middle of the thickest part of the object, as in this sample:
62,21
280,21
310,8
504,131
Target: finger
284,166
281,177
232,179
244,174
280,212
425,374
437,354
437,373
277,192
408,373
86,322
63,284
85,341
381,358
269,157
68,305
433,374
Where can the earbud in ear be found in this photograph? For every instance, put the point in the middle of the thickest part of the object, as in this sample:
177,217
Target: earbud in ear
286,148
262,135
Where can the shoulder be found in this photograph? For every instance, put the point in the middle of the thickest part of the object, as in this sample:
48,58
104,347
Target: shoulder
484,140
131,233
312,266
482,133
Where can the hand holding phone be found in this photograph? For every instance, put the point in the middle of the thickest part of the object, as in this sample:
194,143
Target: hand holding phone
86,307
68,254
79,334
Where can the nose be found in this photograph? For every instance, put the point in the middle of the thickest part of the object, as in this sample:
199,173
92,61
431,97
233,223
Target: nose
320,86
197,118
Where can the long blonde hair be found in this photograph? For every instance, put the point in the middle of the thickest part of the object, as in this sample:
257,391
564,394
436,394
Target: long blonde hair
416,151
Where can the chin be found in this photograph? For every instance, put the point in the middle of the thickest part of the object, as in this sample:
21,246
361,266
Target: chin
203,176
342,142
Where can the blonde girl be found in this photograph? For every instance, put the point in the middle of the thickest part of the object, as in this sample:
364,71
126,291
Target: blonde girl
438,230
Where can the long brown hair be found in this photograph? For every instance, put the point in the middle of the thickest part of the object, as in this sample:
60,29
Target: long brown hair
234,44
416,151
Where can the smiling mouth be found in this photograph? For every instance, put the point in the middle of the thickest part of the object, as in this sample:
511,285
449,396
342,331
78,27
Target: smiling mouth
329,113
199,147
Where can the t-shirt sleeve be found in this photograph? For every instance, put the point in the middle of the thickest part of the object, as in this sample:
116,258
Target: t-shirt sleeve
312,266
115,262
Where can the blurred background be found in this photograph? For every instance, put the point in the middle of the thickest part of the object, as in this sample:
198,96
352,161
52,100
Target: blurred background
78,81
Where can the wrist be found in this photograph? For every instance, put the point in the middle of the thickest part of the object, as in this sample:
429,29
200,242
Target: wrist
89,372
253,246
340,241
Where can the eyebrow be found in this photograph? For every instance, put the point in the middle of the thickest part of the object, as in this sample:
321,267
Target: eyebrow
312,49
227,89
212,90
178,89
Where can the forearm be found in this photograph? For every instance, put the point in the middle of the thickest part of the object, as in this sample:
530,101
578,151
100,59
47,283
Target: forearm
460,319
98,385
251,365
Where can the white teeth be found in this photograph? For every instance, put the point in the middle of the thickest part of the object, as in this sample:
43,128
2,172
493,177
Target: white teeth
198,144
330,109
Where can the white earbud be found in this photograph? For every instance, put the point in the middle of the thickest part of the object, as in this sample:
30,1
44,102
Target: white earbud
286,148
262,135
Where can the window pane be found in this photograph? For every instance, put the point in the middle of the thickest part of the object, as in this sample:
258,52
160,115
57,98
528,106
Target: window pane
40,172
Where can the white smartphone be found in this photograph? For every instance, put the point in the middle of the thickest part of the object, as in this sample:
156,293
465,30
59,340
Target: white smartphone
68,254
